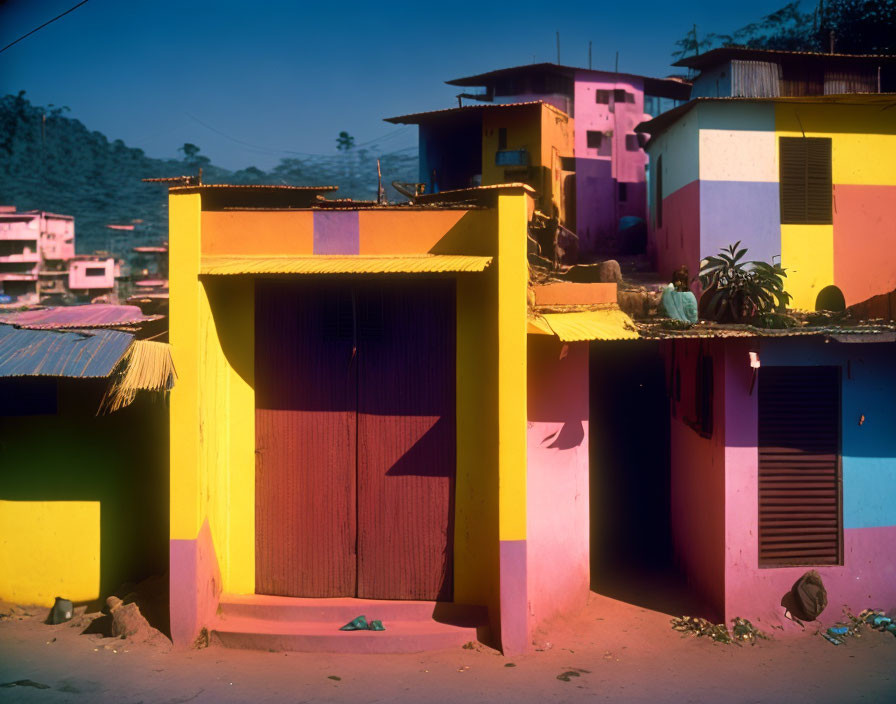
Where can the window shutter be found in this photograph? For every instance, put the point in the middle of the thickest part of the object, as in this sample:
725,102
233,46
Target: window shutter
805,180
800,519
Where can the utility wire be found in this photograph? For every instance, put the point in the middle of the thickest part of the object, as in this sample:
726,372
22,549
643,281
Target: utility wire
43,25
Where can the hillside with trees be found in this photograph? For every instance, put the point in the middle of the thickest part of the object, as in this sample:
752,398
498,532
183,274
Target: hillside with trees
49,161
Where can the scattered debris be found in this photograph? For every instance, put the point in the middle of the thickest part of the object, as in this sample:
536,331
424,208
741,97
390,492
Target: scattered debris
61,612
357,624
26,683
335,678
565,676
509,664
128,622
469,645
742,630
807,598
202,640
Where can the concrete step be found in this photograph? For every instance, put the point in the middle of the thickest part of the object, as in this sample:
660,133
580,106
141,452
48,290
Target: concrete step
344,609
325,637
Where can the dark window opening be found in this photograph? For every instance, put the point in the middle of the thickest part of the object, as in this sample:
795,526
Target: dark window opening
95,271
594,139
621,95
800,500
567,163
623,192
805,180
602,97
502,138
28,396
632,144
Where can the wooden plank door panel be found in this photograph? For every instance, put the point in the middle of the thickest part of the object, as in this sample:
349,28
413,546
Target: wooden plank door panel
306,395
406,440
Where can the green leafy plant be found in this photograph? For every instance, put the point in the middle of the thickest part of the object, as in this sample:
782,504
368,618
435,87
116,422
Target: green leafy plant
739,291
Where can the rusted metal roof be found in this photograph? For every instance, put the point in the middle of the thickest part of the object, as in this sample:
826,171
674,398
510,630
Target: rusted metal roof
91,354
714,57
250,187
350,264
69,317
479,195
665,329
418,117
604,324
662,87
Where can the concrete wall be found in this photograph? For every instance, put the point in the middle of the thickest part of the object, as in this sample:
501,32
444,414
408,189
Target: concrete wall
868,388
557,478
82,497
79,279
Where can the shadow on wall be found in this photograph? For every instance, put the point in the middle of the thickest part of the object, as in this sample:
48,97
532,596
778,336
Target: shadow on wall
119,461
631,548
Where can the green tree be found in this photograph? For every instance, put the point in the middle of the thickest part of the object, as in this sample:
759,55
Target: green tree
345,142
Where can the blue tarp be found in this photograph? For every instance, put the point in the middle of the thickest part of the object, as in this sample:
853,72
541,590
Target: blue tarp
93,353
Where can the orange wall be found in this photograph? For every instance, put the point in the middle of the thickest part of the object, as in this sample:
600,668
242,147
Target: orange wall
404,231
257,232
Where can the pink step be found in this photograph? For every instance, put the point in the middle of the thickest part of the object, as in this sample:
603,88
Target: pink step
262,622
343,610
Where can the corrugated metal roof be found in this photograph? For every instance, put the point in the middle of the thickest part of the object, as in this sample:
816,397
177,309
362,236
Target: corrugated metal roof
607,324
91,354
349,264
418,117
87,316
721,54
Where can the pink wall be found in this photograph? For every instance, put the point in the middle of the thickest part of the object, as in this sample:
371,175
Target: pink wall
598,208
557,478
676,242
698,480
57,240
194,585
868,576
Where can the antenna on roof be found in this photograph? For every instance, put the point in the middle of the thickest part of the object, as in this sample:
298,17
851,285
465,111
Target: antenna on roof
380,191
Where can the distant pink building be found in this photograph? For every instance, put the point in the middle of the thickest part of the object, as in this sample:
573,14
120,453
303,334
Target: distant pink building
610,163
34,249
93,275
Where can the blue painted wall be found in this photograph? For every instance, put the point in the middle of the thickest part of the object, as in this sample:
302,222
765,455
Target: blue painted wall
868,388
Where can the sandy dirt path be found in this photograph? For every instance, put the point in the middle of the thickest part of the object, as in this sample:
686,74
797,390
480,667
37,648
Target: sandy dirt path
621,653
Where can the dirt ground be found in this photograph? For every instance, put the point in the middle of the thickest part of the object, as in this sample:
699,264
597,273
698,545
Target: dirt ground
614,650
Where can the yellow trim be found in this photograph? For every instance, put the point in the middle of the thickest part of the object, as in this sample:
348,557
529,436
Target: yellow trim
513,279
610,324
350,264
538,326
184,215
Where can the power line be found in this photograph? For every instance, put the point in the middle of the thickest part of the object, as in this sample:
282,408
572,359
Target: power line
43,25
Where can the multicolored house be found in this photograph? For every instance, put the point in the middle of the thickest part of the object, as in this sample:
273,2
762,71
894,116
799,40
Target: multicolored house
373,418
610,164
805,181
485,145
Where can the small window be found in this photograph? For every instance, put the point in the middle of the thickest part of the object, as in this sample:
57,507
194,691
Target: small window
594,139
95,271
502,138
632,144
620,95
567,163
602,97
601,141
805,180
623,192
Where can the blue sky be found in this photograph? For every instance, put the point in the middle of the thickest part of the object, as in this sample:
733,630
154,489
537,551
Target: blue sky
251,82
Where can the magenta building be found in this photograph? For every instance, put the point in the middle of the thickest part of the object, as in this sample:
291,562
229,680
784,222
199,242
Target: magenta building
610,163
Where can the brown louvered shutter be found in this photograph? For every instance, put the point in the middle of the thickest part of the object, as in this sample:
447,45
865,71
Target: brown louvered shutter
805,180
799,466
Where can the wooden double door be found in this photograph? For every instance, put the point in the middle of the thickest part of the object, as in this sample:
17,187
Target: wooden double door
355,437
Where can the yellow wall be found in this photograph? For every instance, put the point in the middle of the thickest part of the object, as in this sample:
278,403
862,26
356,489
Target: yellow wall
807,252
61,556
213,343
513,276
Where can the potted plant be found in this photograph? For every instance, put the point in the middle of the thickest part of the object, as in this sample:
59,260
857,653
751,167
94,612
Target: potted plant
739,291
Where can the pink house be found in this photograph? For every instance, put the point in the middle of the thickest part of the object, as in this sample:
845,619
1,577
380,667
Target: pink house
611,165
92,275
34,248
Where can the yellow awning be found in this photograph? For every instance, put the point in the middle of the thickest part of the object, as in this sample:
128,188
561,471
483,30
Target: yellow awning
343,264
608,324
